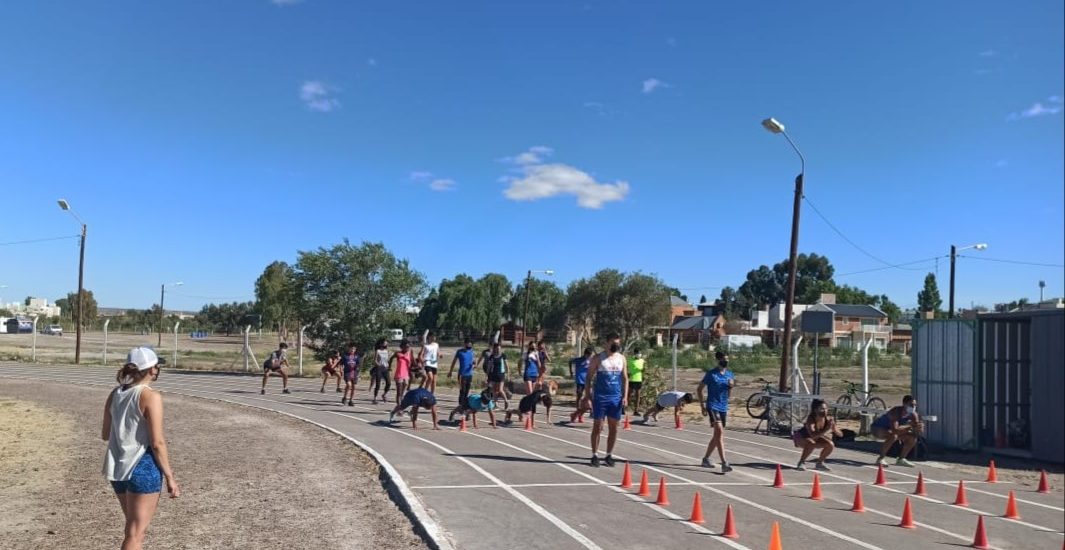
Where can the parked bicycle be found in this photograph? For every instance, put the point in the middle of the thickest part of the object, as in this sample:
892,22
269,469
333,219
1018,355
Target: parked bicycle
853,397
758,403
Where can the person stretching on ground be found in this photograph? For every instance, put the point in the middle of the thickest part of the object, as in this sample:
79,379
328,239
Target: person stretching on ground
429,357
718,381
636,365
415,399
898,424
275,364
816,432
475,403
330,369
380,371
607,393
527,406
667,399
352,361
137,461
465,360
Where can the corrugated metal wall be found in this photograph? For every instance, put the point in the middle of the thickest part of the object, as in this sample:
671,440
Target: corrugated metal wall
1048,382
944,380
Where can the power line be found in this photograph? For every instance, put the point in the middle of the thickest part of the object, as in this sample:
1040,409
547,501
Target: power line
852,243
41,240
893,266
1018,262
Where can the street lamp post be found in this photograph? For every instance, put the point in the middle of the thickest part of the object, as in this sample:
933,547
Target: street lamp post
525,310
953,254
774,126
81,279
162,296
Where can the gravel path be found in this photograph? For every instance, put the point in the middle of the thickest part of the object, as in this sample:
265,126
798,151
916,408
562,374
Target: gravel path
250,479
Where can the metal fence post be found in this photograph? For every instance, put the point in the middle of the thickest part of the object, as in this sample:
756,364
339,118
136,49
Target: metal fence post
676,337
106,322
865,369
247,331
34,357
176,325
300,352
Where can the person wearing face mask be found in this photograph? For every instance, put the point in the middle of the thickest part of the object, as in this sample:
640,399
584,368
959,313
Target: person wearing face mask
718,382
898,424
607,393
137,462
816,433
465,360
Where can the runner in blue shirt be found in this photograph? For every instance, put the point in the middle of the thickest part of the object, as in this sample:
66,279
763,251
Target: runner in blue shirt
465,359
607,390
718,382
578,371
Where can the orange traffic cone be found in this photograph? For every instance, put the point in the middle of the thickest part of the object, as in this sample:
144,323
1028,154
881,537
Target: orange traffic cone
626,425
992,475
645,487
961,499
528,424
663,497
815,493
626,477
907,516
462,425
680,425
774,538
730,531
1044,486
880,479
697,509
980,540
859,506
1011,507
920,490
778,480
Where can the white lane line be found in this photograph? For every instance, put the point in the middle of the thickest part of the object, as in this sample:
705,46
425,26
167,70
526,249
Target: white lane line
580,538
970,510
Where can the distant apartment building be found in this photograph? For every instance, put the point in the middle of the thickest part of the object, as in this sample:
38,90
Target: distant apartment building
36,307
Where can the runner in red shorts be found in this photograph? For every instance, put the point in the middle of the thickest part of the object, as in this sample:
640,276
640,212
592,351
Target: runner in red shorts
330,370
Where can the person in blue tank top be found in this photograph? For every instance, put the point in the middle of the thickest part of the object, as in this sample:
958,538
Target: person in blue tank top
465,359
533,370
718,382
607,391
898,424
475,403
578,371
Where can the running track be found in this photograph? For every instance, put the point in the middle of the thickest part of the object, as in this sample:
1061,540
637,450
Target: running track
508,487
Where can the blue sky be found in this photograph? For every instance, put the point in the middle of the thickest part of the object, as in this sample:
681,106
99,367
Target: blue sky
201,140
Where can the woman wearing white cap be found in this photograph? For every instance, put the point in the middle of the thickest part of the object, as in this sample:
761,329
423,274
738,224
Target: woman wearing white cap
136,462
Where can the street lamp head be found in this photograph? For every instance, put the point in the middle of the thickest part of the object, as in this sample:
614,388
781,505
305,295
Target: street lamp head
773,125
980,246
549,271
179,283
64,204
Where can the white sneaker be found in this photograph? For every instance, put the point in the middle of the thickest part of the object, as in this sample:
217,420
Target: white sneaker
801,466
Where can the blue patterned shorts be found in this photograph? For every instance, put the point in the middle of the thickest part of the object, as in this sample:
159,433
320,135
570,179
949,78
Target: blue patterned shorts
145,479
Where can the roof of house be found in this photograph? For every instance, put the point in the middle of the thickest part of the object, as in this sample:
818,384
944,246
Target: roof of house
676,301
697,322
852,310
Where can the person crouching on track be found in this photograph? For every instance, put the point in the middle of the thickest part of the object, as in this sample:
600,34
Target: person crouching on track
899,424
275,364
527,406
667,399
415,399
816,432
475,403
329,370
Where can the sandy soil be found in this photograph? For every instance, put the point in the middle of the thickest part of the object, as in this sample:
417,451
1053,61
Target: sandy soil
250,479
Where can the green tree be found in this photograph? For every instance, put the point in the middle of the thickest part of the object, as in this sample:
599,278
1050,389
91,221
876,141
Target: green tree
4,312
928,299
496,291
702,299
350,293
71,304
673,291
277,297
893,311
547,305
611,301
732,304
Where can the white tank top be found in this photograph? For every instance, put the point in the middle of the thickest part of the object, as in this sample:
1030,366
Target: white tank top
129,433
432,352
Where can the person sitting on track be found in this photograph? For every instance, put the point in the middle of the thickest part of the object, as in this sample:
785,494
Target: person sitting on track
527,406
275,364
898,424
667,399
475,403
330,370
352,361
816,432
415,399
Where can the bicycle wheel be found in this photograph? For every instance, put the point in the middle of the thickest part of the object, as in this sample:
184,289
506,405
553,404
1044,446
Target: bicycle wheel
844,399
876,403
757,405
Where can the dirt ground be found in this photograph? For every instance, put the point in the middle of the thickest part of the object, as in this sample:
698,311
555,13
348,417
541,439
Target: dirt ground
249,479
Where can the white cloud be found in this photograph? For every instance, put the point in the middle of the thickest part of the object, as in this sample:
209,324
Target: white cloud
442,184
318,96
420,175
1038,109
652,84
537,181
599,108
1055,99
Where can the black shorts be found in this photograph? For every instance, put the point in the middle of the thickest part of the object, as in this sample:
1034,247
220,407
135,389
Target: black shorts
431,370
528,378
635,385
718,417
495,378
271,369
